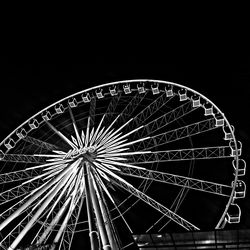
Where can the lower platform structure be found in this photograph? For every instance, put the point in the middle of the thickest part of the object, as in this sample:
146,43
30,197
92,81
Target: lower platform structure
218,239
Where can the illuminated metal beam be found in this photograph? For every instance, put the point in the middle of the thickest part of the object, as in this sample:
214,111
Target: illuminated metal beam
40,143
182,181
156,205
165,119
180,155
176,134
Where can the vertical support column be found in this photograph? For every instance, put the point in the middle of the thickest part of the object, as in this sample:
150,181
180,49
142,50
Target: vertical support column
92,233
98,214
110,231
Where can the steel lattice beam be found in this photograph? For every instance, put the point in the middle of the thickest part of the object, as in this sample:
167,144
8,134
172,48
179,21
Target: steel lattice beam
176,134
18,191
179,155
178,180
147,112
129,109
165,119
22,158
152,108
156,205
92,111
13,235
70,229
40,143
19,175
111,108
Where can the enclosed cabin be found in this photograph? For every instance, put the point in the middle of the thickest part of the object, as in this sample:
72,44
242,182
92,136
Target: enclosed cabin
236,148
99,93
155,88
126,88
21,133
233,214
208,108
228,132
196,101
33,124
141,87
85,97
46,115
240,189
241,168
59,108
169,90
9,143
113,91
72,102
219,119
182,94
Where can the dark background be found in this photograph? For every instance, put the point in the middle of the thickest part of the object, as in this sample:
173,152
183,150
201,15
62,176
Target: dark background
222,75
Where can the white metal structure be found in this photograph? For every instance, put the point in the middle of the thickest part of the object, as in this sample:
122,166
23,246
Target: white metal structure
99,165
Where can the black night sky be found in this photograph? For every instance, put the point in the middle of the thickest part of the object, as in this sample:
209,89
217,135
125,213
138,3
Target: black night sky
221,75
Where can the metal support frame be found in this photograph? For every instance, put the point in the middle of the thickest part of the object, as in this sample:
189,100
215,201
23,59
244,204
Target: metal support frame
180,155
97,210
129,109
40,143
156,205
93,234
176,134
178,180
92,111
23,158
111,108
147,112
165,119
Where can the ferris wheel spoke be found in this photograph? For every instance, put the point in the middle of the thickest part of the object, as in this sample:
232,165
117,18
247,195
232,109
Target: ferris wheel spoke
165,119
40,143
111,108
97,130
104,134
75,127
92,111
182,181
115,142
174,207
61,135
59,238
132,105
13,234
19,191
22,158
19,175
48,227
176,134
152,108
46,201
40,205
180,155
56,211
156,205
58,216
101,183
71,227
40,191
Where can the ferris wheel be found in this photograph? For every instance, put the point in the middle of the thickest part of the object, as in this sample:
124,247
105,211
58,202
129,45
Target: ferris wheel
120,158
